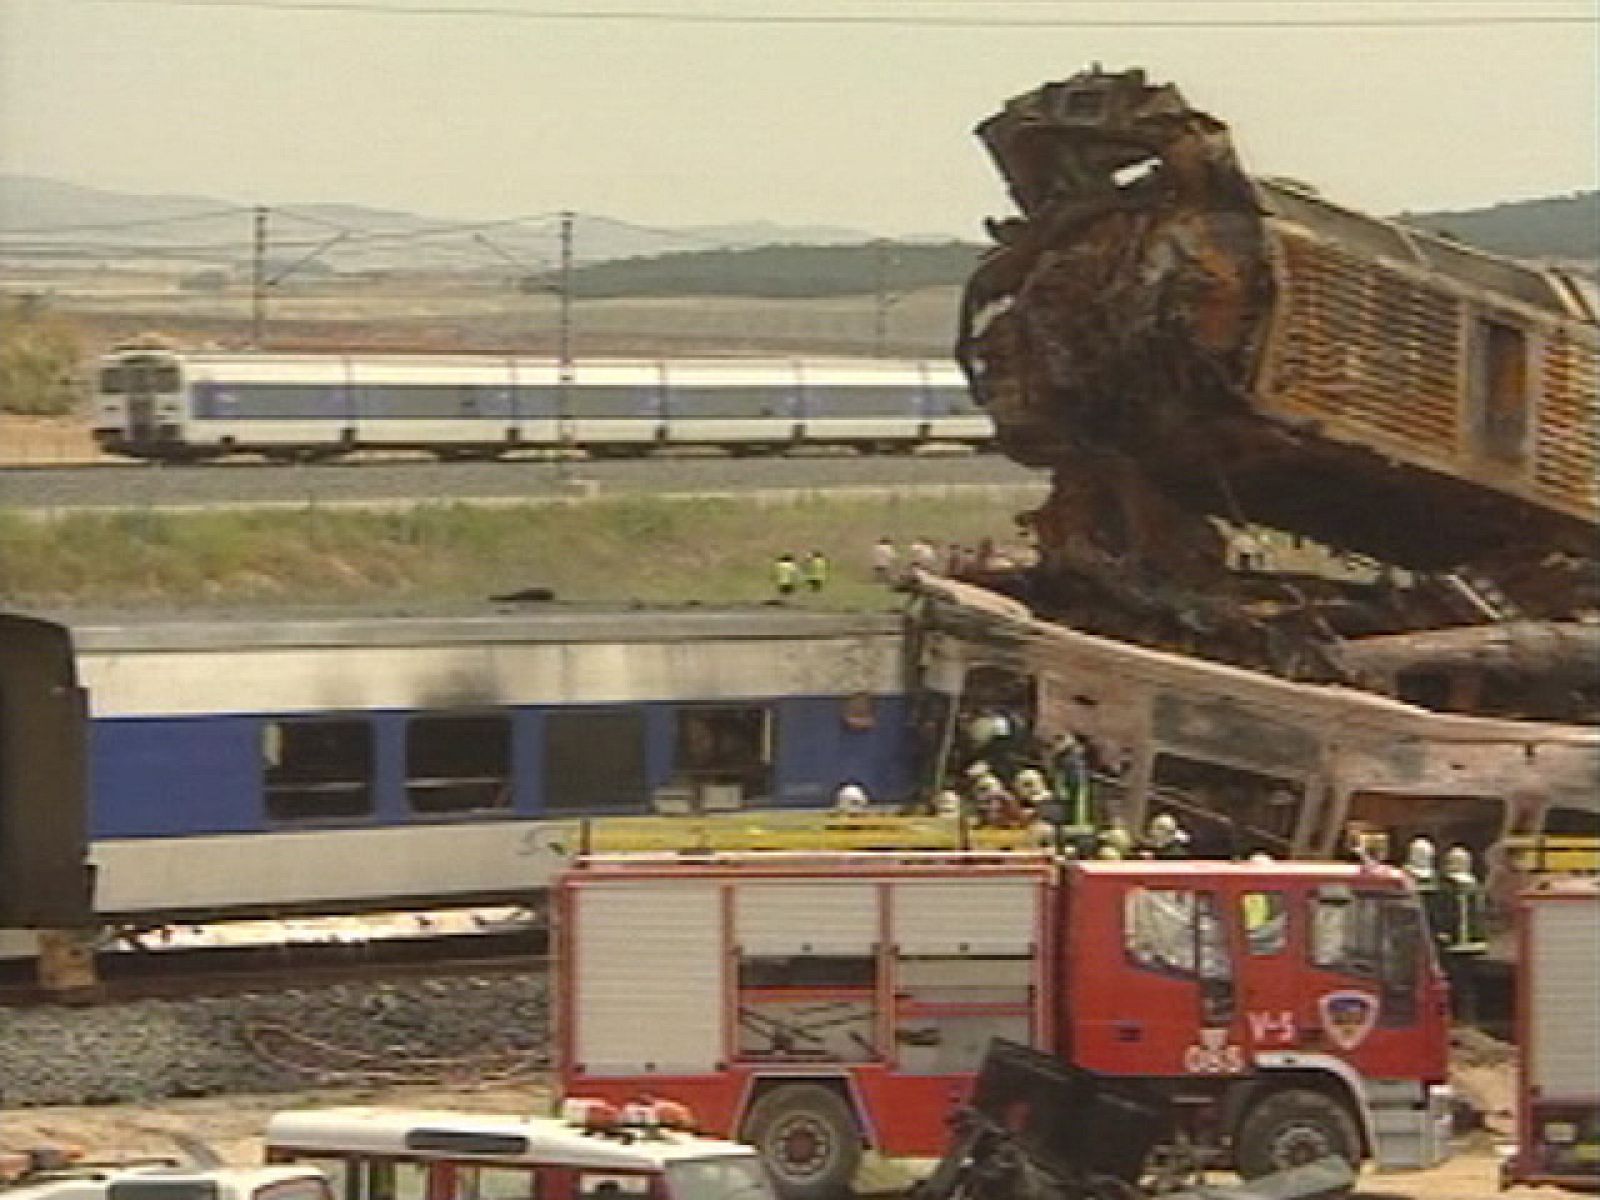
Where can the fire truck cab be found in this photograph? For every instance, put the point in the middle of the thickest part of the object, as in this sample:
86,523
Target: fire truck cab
819,1006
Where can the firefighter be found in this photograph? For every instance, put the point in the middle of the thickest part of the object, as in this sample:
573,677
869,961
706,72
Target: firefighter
997,738
1114,842
998,808
1459,929
1165,838
1069,765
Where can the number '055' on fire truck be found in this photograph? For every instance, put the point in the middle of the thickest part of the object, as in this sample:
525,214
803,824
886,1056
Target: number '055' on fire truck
819,1006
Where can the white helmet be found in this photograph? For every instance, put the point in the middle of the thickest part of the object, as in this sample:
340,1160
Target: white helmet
1029,780
1420,856
851,797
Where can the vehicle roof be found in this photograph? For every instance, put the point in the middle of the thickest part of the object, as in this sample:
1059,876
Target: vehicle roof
112,632
1190,867
76,1178
843,864
548,1141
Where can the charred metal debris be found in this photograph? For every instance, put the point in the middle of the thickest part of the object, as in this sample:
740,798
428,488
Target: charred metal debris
1198,356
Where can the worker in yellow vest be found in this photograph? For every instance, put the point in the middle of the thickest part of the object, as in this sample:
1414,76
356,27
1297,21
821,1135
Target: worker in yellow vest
816,570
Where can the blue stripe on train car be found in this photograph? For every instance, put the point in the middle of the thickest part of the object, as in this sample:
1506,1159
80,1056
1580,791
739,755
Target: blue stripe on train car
197,776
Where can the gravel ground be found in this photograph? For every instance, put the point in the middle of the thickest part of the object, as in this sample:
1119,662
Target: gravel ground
246,484
465,1028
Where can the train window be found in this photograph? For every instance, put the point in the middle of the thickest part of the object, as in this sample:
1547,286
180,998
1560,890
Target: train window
1230,812
317,769
595,760
114,379
458,764
1500,381
726,752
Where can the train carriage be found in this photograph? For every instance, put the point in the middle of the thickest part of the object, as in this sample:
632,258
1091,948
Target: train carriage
161,404
339,765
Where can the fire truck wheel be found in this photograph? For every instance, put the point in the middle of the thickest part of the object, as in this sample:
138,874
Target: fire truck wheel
809,1139
1294,1127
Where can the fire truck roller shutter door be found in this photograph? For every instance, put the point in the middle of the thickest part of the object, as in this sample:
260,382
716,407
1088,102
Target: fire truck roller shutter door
809,1138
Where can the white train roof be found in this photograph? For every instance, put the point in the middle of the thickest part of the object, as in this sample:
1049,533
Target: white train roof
94,633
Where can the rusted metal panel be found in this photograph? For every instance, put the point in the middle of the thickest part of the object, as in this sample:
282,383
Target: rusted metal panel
1179,343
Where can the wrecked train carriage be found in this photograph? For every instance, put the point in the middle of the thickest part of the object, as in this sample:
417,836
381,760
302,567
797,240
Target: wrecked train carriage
1176,338
1248,761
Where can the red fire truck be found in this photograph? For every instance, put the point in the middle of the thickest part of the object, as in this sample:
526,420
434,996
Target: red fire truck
819,1006
1558,1032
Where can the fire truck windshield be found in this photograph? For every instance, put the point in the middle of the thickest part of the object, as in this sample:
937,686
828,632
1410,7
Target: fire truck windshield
736,1177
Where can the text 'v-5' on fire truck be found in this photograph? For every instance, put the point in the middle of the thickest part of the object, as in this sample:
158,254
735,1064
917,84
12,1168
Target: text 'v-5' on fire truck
818,1006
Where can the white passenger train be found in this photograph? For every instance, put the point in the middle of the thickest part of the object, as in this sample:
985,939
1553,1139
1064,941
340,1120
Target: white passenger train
162,404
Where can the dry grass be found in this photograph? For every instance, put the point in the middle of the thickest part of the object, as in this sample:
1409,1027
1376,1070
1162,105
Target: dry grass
645,551
34,440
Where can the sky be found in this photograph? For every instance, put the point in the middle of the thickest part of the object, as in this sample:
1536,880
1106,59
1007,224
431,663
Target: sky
673,112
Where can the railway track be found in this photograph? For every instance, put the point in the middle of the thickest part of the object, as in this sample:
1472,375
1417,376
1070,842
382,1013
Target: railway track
403,483
190,973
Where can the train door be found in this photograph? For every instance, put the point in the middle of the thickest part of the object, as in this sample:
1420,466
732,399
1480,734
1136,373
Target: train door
44,792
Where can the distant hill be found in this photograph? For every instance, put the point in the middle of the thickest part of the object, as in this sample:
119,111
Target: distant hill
46,218
785,271
52,221
1559,227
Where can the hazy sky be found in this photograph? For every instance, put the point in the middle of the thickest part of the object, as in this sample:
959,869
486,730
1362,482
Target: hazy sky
487,114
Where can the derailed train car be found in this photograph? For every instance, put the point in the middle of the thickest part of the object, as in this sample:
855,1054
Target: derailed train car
1250,763
159,770
1180,341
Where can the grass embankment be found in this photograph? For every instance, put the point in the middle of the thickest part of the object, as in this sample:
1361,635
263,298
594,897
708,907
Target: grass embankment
654,551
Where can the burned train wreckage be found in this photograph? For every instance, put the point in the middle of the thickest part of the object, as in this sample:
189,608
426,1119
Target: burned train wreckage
1191,350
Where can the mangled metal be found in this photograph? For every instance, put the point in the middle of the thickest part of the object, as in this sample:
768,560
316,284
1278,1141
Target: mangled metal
1186,348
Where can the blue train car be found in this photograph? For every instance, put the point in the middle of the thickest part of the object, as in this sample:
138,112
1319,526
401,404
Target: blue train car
337,765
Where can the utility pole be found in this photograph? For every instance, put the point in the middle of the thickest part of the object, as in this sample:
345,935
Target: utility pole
564,340
258,278
882,260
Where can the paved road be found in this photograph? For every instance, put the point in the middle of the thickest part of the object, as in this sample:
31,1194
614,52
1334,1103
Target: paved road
247,484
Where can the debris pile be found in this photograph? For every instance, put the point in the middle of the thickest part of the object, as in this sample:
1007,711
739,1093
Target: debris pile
1200,357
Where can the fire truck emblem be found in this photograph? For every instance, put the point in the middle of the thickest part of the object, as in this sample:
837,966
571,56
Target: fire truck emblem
1348,1017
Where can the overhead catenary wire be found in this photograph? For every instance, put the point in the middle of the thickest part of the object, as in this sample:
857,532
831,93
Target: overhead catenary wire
1396,17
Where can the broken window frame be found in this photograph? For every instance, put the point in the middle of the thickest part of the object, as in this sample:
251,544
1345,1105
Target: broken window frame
707,772
1246,837
486,791
604,750
290,791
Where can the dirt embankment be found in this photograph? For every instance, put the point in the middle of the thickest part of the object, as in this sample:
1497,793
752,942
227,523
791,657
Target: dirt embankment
43,440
